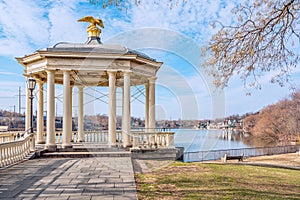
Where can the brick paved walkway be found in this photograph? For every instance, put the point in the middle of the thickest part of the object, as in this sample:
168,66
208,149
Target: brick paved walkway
69,178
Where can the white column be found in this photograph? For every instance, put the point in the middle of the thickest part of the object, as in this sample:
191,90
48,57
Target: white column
123,127
126,110
80,114
40,114
28,112
71,112
50,143
152,103
147,107
66,139
112,108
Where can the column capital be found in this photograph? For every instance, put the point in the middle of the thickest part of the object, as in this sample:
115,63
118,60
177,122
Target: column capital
112,72
27,75
80,86
152,79
50,71
127,72
40,82
66,71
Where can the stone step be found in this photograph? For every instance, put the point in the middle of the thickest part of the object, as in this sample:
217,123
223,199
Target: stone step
85,147
85,154
90,149
155,154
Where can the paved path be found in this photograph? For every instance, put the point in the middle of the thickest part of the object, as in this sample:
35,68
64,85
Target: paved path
69,178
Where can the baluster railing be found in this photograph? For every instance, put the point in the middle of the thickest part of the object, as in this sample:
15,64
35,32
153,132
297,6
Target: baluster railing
140,139
152,140
11,136
119,136
14,151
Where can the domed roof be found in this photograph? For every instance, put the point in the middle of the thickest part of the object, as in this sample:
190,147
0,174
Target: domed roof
96,47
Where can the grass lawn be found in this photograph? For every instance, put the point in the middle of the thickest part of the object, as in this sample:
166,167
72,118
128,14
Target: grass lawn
218,181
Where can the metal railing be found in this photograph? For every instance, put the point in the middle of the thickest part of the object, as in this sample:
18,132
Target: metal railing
14,151
247,152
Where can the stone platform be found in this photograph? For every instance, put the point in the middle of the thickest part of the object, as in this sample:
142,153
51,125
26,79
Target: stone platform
69,178
86,171
81,150
84,150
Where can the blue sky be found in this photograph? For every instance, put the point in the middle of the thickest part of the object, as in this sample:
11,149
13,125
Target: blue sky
174,36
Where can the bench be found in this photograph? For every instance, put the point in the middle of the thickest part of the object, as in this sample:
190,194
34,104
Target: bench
228,157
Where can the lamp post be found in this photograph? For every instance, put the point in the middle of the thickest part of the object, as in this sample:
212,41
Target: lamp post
31,82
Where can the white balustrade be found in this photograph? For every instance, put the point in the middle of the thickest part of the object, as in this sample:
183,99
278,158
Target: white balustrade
12,152
58,137
96,136
152,140
144,139
11,136
119,136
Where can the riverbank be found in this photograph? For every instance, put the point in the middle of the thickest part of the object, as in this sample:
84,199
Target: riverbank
282,160
290,160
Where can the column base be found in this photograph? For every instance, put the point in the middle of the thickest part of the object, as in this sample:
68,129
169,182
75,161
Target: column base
126,145
41,142
67,146
134,148
51,147
112,145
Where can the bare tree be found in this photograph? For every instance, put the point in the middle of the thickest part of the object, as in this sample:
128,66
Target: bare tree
264,39
277,123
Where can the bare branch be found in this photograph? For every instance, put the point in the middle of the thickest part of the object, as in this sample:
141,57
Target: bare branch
262,41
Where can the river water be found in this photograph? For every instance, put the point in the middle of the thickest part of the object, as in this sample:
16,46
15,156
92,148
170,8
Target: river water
206,140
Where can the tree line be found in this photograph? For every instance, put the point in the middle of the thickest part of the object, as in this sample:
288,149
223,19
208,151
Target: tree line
277,123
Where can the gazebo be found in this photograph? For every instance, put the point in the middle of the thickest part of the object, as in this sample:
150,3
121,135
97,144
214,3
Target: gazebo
88,64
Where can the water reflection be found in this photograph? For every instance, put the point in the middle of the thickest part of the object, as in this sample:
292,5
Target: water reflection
206,140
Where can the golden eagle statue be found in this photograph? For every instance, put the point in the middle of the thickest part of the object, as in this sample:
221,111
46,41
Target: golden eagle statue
93,21
92,29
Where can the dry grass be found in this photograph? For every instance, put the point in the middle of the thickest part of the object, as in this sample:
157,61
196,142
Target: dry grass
218,181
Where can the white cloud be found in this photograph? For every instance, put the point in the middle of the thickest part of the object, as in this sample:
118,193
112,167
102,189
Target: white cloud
63,18
34,24
7,73
23,27
30,25
189,17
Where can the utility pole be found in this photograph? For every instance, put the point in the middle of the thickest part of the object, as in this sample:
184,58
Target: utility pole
20,101
14,106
